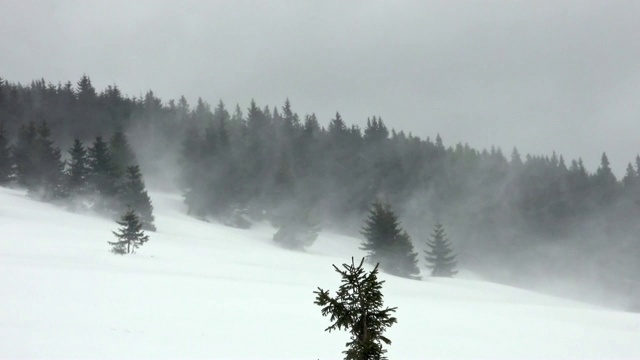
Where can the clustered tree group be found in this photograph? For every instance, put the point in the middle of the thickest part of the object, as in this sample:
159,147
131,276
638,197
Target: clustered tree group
92,176
391,248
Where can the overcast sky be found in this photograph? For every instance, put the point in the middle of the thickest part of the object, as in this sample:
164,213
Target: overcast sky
539,75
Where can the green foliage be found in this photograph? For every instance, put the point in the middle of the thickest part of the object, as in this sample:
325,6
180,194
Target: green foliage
122,155
24,155
135,196
103,177
605,182
130,236
38,163
258,157
387,244
439,256
49,167
78,170
358,308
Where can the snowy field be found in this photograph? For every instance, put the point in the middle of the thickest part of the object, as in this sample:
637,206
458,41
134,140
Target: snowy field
202,290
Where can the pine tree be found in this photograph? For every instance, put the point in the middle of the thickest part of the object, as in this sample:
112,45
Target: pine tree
24,155
135,196
387,244
5,157
78,171
122,155
604,182
630,177
48,166
440,257
130,236
103,178
358,308
193,171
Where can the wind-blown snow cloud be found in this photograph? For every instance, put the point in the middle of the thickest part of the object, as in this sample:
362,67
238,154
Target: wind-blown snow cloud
542,76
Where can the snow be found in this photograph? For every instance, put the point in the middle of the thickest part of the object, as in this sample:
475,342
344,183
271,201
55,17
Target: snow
203,290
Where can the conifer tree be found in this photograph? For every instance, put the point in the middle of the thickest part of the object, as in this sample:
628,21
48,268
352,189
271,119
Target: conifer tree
78,171
24,155
130,236
439,256
194,171
122,155
358,309
630,177
135,196
103,178
48,166
5,157
604,181
387,244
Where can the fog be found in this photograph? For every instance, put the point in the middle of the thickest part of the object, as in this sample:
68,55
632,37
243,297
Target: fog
540,76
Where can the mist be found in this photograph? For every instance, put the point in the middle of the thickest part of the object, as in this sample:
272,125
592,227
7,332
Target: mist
539,76
554,80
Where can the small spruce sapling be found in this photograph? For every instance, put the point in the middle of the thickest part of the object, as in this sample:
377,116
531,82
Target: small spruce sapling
358,308
130,236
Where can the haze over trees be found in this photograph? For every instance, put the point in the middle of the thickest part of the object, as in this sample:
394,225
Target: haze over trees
524,212
439,256
103,177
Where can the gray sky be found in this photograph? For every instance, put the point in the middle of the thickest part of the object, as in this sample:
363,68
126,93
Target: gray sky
539,75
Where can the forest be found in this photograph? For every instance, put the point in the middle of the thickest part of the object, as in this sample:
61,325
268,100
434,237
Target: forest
526,219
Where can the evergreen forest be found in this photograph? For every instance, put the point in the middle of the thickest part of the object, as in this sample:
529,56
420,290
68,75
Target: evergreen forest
514,218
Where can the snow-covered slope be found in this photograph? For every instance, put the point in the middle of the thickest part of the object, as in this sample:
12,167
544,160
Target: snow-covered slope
201,290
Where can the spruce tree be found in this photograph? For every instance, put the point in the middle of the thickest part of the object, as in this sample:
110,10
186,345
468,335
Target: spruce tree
604,182
358,309
24,155
78,170
387,244
130,236
5,157
193,173
135,196
48,166
630,177
122,155
439,256
103,177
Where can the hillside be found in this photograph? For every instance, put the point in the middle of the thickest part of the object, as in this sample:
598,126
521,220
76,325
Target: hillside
203,290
